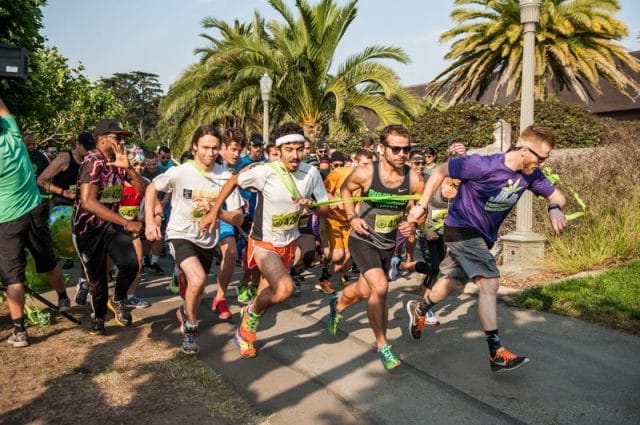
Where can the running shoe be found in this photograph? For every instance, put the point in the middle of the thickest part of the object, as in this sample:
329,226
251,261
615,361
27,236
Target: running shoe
119,309
173,286
334,317
324,286
247,350
82,292
253,291
97,326
244,297
156,268
394,268
505,360
297,285
64,304
221,307
249,324
189,332
432,319
416,321
18,339
388,359
135,302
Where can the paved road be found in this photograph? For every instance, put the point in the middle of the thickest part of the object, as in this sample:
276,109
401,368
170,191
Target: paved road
579,373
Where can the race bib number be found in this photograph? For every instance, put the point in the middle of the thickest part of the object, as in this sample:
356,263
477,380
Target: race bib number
203,201
130,213
387,223
111,194
285,221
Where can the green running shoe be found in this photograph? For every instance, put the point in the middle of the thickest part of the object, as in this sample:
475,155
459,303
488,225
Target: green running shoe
173,286
253,291
244,296
388,359
334,317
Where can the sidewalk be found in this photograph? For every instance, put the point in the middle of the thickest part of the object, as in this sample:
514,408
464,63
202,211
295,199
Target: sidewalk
579,373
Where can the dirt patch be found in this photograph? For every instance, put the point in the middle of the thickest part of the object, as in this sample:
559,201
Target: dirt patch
67,376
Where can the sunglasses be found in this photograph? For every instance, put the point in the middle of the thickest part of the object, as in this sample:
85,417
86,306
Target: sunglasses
321,151
397,149
337,164
539,157
119,137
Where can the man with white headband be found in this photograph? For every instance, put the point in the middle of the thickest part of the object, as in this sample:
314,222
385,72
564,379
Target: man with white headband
284,189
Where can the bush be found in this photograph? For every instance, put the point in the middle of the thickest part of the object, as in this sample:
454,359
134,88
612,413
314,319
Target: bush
472,123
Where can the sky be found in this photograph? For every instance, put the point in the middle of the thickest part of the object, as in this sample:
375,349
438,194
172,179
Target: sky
159,36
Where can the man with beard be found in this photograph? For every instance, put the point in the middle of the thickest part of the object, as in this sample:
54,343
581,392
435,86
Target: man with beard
99,230
490,187
373,239
194,187
284,189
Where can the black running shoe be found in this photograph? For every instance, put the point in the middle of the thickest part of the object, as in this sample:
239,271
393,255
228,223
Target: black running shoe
119,309
97,326
416,321
505,360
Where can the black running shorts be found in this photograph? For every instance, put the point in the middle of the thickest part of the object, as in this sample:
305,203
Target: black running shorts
368,257
181,249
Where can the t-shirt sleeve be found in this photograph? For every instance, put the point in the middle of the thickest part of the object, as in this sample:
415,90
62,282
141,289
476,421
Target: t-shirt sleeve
470,167
318,189
90,171
541,186
254,178
234,201
164,182
9,127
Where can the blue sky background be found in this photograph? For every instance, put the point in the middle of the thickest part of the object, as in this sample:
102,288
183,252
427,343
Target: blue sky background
159,36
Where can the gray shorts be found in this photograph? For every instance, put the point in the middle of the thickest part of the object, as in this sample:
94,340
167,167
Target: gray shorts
465,260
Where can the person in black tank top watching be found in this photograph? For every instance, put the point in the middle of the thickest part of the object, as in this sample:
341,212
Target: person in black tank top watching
373,237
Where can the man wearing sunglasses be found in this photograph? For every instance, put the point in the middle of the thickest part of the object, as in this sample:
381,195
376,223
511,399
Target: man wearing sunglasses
372,241
99,230
490,187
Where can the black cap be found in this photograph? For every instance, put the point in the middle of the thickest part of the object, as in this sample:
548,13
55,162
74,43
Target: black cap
86,140
109,126
256,139
337,156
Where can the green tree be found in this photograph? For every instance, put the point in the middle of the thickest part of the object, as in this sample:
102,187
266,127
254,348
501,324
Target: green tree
140,94
298,53
576,45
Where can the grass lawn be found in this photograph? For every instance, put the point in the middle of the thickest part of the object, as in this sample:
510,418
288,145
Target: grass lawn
611,298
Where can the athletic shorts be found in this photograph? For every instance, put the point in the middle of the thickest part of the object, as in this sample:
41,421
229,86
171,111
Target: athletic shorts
181,249
338,235
31,231
226,230
368,257
467,259
287,252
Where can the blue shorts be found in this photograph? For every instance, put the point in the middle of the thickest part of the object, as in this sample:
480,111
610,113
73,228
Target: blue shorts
226,230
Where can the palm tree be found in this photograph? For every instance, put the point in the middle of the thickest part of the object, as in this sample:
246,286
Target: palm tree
298,53
575,46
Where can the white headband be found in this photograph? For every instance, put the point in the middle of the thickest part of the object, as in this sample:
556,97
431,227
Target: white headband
289,138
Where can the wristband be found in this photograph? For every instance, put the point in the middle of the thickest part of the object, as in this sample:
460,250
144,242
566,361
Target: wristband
554,206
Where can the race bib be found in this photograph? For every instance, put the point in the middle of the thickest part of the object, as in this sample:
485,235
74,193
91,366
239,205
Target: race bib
285,221
111,194
304,221
438,214
130,213
73,188
386,223
202,202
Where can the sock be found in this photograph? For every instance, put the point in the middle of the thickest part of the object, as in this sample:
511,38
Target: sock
325,274
425,305
62,295
18,325
493,340
154,258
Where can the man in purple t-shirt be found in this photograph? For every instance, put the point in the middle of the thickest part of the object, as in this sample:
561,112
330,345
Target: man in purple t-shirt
490,187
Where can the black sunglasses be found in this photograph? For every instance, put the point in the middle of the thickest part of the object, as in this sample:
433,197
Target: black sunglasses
396,149
337,164
119,137
540,158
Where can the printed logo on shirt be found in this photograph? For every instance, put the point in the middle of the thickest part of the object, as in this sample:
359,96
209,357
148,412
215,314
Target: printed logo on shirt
203,201
286,221
506,199
111,194
386,223
130,213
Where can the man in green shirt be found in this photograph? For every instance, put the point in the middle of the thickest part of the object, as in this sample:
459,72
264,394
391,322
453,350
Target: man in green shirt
23,225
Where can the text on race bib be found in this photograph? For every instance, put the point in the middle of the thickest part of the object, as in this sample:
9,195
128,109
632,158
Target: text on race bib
111,194
286,221
386,223
130,213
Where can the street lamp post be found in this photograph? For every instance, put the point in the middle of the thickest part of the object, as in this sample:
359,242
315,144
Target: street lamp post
524,248
265,90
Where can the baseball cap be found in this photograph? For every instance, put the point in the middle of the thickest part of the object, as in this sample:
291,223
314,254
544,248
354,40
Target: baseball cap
416,157
86,140
109,126
256,139
337,156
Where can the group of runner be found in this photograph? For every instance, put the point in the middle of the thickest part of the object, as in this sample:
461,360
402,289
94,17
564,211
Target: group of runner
361,213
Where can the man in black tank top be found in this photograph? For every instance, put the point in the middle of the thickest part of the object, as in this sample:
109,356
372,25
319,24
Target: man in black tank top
372,240
61,176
